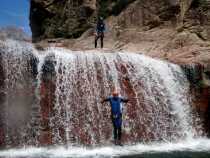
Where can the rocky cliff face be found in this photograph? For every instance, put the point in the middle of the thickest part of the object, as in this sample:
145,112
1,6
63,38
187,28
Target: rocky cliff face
68,18
199,78
61,18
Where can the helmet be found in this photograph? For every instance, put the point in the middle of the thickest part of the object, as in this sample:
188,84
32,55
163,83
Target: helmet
101,18
115,93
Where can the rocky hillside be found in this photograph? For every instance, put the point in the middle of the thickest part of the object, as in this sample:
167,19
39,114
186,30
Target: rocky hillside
13,32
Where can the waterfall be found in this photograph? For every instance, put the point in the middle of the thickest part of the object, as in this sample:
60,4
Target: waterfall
54,97
19,115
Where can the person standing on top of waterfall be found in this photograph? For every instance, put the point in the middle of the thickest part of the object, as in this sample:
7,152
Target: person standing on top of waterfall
116,101
100,28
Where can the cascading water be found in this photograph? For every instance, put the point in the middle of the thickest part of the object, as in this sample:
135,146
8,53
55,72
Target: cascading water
53,97
19,106
157,90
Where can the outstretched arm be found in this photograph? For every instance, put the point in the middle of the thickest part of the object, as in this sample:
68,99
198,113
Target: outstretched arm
105,100
125,100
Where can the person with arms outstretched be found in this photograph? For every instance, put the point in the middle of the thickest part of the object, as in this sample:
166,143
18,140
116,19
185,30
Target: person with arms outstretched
116,114
100,28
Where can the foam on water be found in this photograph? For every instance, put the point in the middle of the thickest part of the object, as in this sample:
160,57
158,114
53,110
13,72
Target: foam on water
195,145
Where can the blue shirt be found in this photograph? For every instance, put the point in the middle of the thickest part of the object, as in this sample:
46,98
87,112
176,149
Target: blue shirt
116,104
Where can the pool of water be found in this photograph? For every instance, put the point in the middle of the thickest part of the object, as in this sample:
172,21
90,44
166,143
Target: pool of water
174,154
195,148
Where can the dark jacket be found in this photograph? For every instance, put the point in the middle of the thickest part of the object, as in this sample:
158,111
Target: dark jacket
100,27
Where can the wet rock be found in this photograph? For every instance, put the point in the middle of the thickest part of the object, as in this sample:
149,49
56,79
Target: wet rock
199,78
47,100
45,138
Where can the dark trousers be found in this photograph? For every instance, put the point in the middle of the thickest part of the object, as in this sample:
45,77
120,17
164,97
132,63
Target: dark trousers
101,36
117,127
117,133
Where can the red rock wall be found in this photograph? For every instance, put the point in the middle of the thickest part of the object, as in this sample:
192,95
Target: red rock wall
47,100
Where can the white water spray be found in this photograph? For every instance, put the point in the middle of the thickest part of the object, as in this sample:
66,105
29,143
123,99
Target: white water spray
159,109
